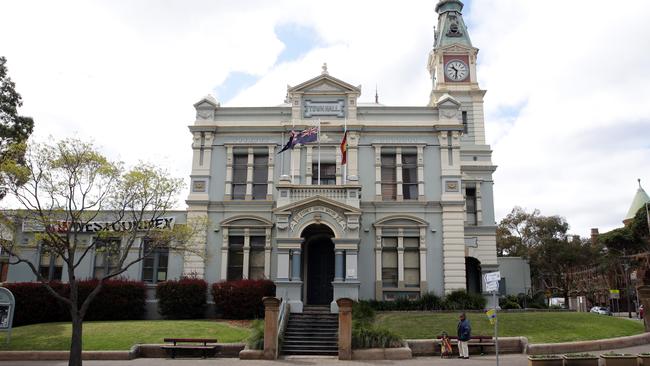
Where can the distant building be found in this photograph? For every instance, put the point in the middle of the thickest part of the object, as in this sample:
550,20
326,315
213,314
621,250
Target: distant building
515,276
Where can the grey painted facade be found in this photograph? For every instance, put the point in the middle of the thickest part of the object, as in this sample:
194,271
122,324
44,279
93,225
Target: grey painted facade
412,206
515,276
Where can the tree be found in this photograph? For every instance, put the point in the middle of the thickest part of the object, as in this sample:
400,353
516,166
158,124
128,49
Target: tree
520,231
552,254
14,129
71,188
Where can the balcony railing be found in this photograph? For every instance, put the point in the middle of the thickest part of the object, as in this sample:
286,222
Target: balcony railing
348,194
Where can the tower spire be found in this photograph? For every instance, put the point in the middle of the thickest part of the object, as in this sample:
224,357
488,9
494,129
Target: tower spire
451,26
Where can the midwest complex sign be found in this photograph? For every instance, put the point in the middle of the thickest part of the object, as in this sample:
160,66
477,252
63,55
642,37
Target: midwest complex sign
160,223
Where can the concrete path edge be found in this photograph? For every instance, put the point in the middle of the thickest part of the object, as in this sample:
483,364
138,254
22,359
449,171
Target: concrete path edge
585,346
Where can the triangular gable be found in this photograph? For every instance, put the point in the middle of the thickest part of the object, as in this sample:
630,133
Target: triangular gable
324,84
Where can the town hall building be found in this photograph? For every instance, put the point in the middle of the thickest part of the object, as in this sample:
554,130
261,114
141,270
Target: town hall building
410,211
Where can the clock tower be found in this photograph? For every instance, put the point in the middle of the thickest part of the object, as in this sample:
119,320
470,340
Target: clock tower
452,65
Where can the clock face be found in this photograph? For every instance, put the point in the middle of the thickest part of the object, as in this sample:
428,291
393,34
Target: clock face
456,70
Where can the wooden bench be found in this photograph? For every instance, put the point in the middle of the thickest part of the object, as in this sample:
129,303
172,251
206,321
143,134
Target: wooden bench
203,345
474,341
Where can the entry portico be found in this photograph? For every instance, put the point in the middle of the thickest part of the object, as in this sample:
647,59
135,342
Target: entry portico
318,243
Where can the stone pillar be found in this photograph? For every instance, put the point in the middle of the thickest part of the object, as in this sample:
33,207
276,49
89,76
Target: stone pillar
345,328
295,265
271,309
644,298
338,265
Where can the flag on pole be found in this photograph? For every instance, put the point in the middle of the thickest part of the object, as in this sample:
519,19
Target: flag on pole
307,136
492,315
291,143
344,148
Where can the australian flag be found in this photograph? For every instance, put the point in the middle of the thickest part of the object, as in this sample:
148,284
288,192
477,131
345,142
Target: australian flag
301,137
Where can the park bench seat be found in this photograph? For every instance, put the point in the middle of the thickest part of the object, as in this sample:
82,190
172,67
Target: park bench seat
475,341
190,344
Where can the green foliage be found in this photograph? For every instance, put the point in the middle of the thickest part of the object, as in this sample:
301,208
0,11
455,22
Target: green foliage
543,357
457,300
580,355
461,300
182,299
256,339
370,336
14,132
363,312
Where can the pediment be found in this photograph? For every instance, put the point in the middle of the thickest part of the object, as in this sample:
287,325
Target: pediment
324,84
458,48
246,221
401,221
317,201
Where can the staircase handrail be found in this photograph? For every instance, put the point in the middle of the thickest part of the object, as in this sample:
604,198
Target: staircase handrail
283,317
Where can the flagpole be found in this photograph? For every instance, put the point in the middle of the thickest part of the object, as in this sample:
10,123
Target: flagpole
318,136
282,161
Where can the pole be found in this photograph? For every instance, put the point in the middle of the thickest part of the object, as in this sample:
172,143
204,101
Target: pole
627,290
282,159
496,325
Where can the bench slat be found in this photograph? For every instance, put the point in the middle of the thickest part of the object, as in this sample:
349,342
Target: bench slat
196,340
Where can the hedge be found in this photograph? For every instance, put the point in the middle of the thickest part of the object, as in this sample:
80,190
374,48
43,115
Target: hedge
241,299
182,299
457,300
118,300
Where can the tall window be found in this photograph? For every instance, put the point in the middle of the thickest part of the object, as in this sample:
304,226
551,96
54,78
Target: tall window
239,172
327,173
260,176
388,177
465,125
412,261
50,265
256,262
235,257
410,176
107,256
155,263
470,199
389,262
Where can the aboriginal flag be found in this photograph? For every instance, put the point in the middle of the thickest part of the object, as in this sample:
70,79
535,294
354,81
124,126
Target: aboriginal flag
344,148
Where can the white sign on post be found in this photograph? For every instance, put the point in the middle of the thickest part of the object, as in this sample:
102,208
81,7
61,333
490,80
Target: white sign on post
492,277
492,286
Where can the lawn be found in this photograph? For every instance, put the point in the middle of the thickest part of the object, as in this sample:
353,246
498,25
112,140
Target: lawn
538,327
121,335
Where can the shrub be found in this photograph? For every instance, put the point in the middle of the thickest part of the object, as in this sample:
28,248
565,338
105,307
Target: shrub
242,299
368,336
118,300
182,299
509,305
363,312
430,301
461,300
256,339
35,304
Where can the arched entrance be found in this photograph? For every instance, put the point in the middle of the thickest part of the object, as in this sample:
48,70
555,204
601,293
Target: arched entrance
473,275
318,264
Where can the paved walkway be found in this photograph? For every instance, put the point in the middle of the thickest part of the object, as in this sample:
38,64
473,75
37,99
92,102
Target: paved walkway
504,360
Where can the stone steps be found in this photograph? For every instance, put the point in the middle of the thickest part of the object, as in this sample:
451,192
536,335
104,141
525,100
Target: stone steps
311,333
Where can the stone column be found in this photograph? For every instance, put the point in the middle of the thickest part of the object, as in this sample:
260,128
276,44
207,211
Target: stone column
295,265
338,265
271,309
345,328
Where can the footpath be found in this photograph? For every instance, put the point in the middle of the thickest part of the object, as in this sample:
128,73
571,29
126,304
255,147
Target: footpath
504,360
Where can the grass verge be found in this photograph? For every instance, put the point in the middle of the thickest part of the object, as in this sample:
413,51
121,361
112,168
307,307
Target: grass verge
538,327
120,335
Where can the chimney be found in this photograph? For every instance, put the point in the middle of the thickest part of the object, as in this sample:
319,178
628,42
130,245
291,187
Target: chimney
594,235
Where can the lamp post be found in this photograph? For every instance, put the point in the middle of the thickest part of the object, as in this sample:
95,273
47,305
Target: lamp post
626,266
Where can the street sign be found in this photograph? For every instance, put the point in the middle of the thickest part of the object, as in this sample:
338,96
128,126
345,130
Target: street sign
491,286
492,277
614,294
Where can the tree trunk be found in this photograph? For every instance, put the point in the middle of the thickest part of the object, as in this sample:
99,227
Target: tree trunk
76,340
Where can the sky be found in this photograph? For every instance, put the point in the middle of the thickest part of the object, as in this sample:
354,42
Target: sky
566,109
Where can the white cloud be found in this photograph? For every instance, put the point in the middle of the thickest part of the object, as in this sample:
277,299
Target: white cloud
567,81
